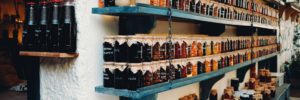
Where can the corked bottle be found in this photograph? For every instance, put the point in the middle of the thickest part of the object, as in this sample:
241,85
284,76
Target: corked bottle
108,74
121,49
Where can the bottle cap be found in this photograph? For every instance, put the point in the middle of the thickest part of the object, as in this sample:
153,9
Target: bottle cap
43,2
30,3
55,1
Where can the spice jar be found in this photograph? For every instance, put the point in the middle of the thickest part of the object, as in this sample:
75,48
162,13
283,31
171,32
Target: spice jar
155,49
163,71
135,49
134,76
207,65
213,95
121,49
108,49
108,74
147,74
156,72
147,48
120,76
189,66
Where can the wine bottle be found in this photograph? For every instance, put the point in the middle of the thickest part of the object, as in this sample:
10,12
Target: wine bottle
29,26
42,30
54,35
69,29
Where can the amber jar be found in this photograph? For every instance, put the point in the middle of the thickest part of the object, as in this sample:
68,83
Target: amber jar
121,49
199,49
230,60
214,65
208,48
108,48
216,48
184,47
248,55
147,74
194,51
207,66
194,67
108,74
189,67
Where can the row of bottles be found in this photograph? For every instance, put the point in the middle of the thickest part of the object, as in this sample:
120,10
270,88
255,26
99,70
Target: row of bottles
137,49
229,9
136,75
50,26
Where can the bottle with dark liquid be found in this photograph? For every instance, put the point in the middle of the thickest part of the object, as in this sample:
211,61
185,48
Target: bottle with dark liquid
192,6
69,29
42,30
29,27
54,26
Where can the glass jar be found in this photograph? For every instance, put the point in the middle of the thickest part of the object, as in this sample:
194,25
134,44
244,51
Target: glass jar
163,49
194,67
177,46
184,69
178,68
200,67
108,74
207,66
193,49
214,64
230,60
135,49
189,67
184,48
163,71
108,49
156,72
147,74
170,72
134,76
155,49
121,49
120,76
199,48
147,48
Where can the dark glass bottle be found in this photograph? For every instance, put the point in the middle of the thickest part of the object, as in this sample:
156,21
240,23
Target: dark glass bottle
108,3
198,6
54,26
192,5
69,29
29,26
178,72
42,30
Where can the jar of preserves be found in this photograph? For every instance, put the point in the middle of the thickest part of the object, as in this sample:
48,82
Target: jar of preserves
108,74
207,65
208,48
200,67
147,48
120,76
163,71
155,49
121,49
170,51
135,49
193,49
163,49
108,49
214,65
199,48
184,48
156,72
177,48
170,72
189,67
134,76
194,67
184,69
178,68
147,74
230,60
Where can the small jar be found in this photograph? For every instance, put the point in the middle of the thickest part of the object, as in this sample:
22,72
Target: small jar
108,49
184,48
214,65
193,49
178,68
200,67
170,72
207,66
121,49
199,48
108,74
135,49
134,76
189,67
120,76
177,48
156,72
147,73
147,48
194,67
184,69
163,71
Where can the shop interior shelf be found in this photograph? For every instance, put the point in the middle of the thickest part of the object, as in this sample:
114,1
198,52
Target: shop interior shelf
144,9
48,54
161,87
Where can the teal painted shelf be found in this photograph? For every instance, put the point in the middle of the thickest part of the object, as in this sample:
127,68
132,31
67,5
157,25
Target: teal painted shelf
161,87
144,9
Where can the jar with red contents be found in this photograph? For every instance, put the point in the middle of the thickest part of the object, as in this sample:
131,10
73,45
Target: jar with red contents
207,66
134,76
163,48
156,48
147,48
156,72
177,46
184,48
189,67
148,73
163,71
184,68
199,47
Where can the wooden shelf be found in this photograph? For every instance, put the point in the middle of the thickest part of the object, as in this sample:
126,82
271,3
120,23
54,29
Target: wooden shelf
48,54
144,9
161,87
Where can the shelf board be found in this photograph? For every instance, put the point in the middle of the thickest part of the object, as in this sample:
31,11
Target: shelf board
48,54
161,87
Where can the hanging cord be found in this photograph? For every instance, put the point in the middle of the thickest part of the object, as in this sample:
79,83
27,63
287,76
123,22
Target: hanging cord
169,38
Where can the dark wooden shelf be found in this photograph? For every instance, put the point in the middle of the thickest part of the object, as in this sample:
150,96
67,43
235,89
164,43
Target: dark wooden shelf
144,9
161,87
48,54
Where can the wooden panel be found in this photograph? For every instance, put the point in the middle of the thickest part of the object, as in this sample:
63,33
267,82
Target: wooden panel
48,54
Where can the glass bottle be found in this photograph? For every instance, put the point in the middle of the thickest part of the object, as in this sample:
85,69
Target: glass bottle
54,36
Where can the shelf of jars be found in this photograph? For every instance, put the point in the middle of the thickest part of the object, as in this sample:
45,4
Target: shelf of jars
214,12
143,61
172,84
48,54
